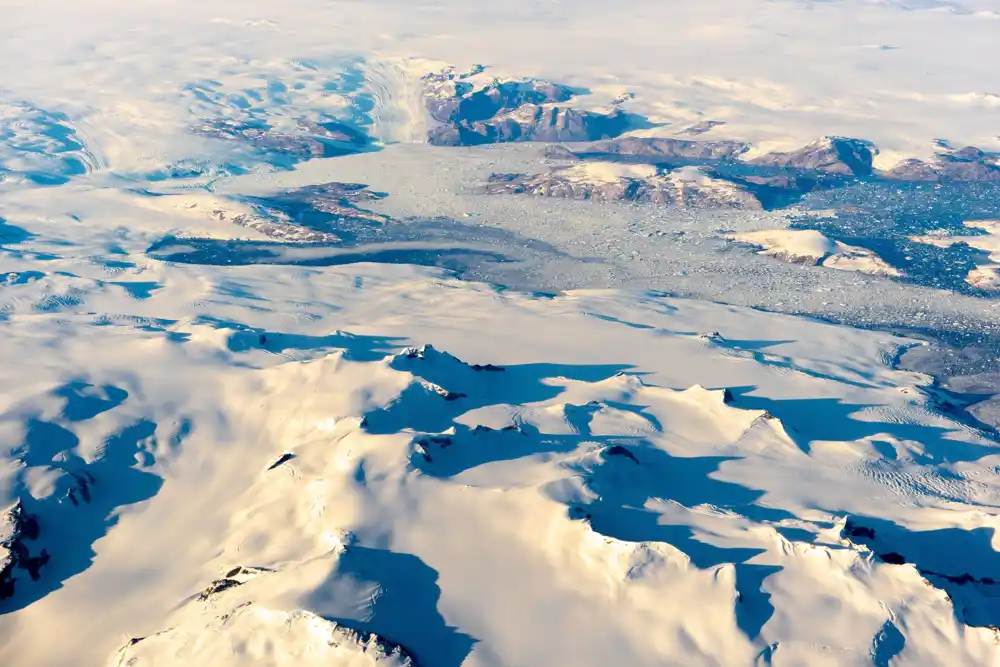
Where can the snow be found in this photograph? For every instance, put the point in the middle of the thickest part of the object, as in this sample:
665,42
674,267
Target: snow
473,556
808,246
802,246
607,172
245,452
252,635
856,62
985,276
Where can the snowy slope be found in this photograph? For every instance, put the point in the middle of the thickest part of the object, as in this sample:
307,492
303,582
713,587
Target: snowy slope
779,73
545,508
276,387
806,246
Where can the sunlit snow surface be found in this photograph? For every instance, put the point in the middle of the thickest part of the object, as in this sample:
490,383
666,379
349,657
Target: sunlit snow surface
224,242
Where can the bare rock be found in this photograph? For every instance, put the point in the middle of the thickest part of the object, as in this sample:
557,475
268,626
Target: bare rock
266,637
702,127
17,530
80,487
334,131
532,122
832,155
853,530
967,164
338,200
654,150
430,354
235,577
620,451
280,230
688,187
314,140
810,247
471,113
452,99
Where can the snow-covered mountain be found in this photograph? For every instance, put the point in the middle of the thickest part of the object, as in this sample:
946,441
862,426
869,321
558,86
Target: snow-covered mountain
451,334
722,475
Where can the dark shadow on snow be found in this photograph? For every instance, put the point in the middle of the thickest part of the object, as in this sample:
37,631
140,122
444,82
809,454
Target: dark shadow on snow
629,471
828,419
87,495
961,562
426,410
355,347
86,401
623,484
9,234
887,644
138,290
84,505
404,611
44,144
623,488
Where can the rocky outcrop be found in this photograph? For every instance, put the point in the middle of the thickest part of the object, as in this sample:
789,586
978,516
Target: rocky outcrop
984,277
533,122
341,133
972,593
702,127
235,577
966,164
18,530
451,98
619,450
653,150
776,191
822,163
281,460
688,187
830,155
337,199
80,486
429,353
283,230
329,202
471,113
265,636
314,140
810,247
724,158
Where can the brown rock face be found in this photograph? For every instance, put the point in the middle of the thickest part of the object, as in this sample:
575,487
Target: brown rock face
280,216
967,164
338,199
512,110
654,150
682,188
315,140
451,99
532,123
832,155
